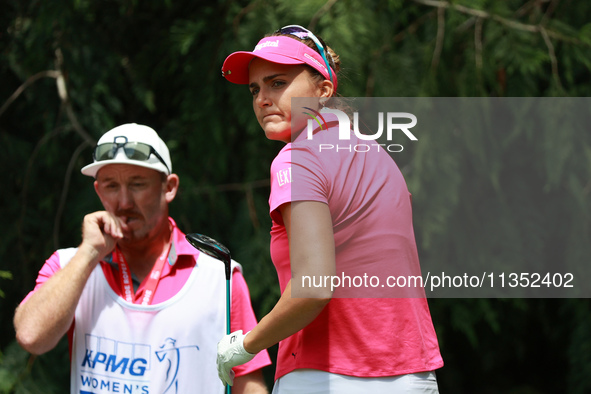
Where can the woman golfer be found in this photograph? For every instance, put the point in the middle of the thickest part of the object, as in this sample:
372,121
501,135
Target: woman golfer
336,214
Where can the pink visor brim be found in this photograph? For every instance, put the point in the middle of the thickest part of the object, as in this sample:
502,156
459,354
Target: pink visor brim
276,49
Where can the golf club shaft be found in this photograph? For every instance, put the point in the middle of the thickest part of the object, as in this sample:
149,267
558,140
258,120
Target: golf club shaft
228,327
215,249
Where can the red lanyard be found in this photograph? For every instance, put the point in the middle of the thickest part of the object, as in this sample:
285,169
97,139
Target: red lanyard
151,284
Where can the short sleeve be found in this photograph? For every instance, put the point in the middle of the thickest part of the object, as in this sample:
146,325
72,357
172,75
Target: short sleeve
297,174
51,266
311,182
280,182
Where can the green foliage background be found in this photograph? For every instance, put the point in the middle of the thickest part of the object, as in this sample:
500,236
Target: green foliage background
502,197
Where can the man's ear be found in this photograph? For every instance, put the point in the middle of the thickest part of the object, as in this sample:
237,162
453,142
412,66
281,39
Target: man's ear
172,186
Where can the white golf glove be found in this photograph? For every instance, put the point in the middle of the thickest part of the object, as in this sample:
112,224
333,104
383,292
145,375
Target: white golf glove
231,353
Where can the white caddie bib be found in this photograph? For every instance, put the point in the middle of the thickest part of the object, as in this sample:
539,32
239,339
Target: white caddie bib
171,347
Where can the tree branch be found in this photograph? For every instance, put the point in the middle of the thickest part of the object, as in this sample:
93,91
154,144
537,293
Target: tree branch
62,203
323,10
252,212
505,21
236,22
61,90
63,94
31,80
478,47
527,7
369,86
26,180
246,187
553,59
549,12
232,187
440,38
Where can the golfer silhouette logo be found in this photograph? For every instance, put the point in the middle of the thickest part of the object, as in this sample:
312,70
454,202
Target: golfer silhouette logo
171,356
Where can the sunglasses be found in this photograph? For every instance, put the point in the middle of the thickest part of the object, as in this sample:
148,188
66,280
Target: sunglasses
302,33
133,151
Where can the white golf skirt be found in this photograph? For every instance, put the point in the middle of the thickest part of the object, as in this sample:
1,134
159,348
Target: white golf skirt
312,381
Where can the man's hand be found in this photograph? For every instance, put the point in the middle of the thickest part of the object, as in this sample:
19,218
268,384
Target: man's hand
100,231
231,353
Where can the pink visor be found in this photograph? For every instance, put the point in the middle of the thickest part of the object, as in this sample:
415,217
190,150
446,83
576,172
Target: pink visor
276,49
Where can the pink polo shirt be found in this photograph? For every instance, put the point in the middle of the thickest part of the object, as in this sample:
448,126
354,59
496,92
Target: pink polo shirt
364,331
175,273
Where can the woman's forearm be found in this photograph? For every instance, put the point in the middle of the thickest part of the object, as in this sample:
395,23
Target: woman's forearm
287,317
